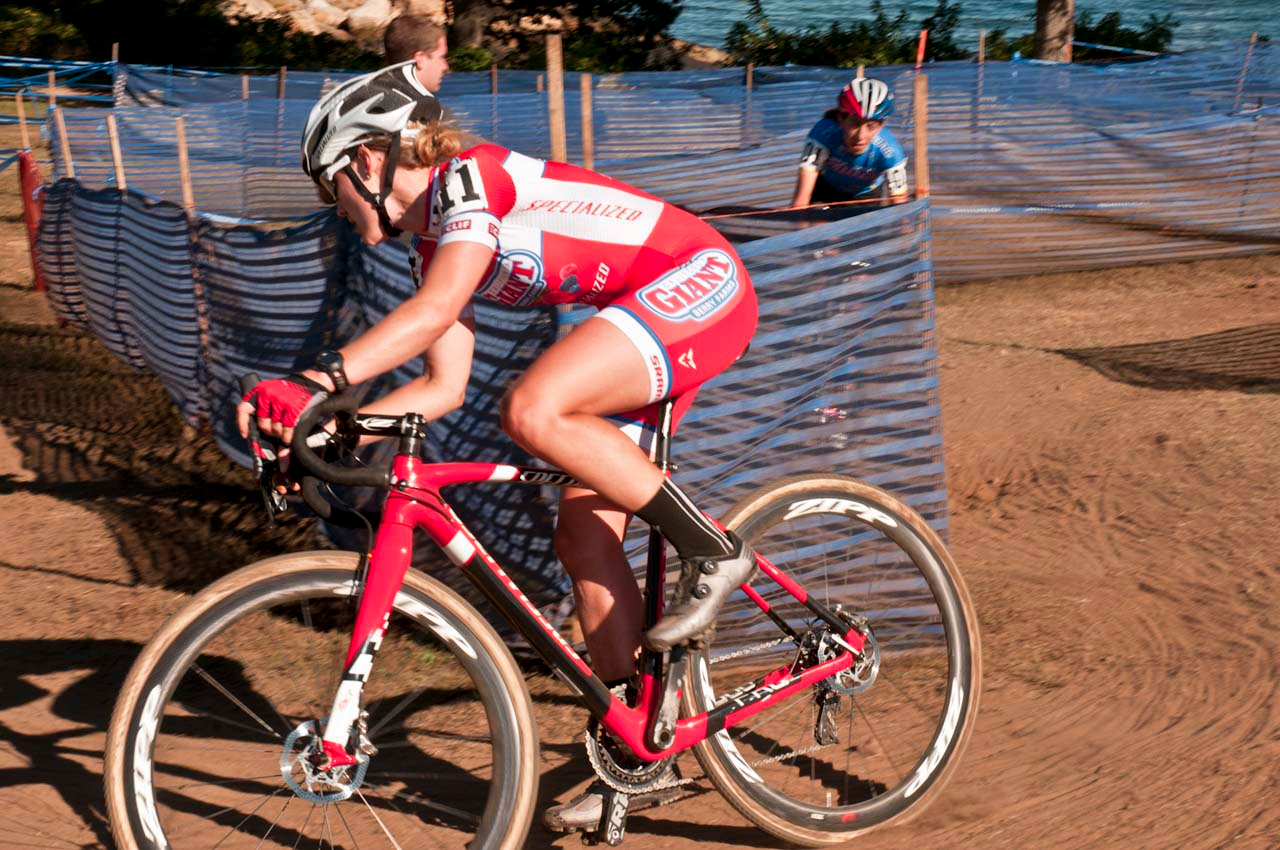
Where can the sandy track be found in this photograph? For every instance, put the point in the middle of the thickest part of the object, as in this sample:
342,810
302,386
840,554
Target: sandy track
1118,536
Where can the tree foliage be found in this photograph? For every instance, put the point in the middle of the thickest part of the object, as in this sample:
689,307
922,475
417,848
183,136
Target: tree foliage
886,39
598,35
1156,35
189,33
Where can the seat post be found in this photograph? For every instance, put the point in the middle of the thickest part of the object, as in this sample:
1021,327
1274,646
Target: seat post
662,435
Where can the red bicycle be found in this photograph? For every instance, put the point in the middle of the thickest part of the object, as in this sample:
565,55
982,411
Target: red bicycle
237,726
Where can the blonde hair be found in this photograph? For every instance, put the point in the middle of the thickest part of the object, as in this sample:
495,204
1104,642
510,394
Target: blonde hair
434,142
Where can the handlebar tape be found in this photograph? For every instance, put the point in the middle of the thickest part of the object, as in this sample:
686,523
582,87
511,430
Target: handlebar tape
349,476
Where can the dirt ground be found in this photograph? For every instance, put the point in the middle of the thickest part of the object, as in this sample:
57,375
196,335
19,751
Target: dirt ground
1111,445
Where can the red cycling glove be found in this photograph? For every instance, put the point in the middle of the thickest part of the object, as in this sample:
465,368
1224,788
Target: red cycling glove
284,399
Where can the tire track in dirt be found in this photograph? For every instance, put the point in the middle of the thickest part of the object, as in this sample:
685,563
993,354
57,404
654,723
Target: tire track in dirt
1153,706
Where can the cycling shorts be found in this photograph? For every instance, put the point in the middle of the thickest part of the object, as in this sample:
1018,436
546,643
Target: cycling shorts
689,325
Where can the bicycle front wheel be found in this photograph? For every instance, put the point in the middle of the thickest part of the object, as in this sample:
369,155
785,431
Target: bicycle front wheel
864,748
207,746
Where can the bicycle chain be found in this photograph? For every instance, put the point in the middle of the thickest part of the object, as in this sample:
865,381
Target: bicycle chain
750,649
602,771
792,754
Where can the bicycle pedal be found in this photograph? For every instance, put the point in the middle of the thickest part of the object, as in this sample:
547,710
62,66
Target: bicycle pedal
613,821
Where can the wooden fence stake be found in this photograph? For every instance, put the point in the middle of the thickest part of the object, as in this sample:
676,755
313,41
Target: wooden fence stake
53,90
920,124
493,78
976,113
184,167
117,159
244,86
541,83
924,39
862,72
115,52
751,73
588,124
64,143
284,73
555,97
1244,71
22,122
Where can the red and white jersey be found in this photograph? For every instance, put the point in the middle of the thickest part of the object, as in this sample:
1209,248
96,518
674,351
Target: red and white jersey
560,233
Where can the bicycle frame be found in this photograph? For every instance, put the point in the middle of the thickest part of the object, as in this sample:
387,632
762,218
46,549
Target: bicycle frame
414,501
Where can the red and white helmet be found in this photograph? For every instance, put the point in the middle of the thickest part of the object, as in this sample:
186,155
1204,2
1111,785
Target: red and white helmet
866,99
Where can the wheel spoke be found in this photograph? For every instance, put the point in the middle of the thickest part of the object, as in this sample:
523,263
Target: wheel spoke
466,817
879,741
381,825
225,782
343,818
395,712
266,799
280,814
302,830
214,683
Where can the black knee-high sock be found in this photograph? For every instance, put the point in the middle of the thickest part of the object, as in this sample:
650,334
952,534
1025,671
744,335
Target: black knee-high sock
683,524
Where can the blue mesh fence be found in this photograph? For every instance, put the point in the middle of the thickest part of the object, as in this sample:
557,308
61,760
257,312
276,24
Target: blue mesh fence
1035,167
841,375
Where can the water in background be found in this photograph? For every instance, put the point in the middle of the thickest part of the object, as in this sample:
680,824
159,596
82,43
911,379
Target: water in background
1204,23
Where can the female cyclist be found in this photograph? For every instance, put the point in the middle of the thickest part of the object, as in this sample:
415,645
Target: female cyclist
676,308
849,154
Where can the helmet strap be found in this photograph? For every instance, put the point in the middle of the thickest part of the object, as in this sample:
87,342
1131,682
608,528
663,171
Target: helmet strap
378,201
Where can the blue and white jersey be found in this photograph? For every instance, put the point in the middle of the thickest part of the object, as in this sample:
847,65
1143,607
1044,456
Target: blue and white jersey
856,175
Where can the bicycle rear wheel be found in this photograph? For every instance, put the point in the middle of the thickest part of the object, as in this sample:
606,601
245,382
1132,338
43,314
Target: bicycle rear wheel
857,751
206,743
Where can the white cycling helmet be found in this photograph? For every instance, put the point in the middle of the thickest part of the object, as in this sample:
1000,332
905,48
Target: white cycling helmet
866,99
368,107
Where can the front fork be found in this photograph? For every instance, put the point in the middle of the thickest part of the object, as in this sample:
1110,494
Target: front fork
388,565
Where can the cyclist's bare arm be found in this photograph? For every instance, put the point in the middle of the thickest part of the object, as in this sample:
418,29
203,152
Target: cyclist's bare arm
424,318
443,384
806,179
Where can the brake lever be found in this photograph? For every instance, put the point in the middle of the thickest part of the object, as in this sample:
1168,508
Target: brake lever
266,462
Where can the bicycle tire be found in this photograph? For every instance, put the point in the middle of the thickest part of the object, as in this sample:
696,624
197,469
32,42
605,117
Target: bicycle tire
180,753
799,523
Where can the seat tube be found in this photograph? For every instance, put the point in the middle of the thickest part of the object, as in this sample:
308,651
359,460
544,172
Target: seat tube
656,565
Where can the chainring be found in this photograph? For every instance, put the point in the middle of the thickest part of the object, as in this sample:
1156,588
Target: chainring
622,771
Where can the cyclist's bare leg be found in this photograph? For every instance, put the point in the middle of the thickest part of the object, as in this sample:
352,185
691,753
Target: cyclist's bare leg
588,542
555,411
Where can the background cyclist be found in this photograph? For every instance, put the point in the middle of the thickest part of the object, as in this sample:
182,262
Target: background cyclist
422,40
676,308
850,154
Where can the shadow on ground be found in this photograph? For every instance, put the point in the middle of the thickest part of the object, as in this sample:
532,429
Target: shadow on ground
110,439
1244,359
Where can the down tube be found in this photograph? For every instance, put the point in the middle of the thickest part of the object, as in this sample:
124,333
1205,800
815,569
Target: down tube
461,547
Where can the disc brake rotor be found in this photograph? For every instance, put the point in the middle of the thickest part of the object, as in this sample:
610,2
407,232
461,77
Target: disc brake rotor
858,677
310,782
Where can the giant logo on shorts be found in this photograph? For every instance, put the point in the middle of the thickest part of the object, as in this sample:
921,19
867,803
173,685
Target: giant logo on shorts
694,291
